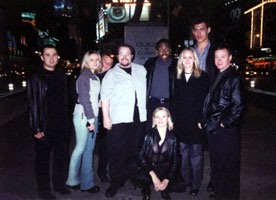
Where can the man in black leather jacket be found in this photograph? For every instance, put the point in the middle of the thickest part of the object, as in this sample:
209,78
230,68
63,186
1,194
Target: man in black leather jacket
160,76
221,115
47,111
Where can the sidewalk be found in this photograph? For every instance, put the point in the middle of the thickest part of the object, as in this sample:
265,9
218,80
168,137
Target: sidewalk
258,161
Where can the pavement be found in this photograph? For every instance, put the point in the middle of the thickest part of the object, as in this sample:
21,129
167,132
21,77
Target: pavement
258,156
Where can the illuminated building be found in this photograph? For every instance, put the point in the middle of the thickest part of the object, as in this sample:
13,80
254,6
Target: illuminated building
260,25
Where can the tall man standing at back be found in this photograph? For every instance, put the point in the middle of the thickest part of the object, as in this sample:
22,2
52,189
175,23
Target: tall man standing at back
159,78
47,110
123,96
205,52
203,47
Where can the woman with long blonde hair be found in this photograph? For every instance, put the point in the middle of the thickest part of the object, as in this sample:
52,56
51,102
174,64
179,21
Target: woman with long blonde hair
191,87
86,124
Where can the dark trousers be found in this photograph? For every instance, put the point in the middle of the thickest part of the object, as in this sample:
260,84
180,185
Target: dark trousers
151,106
102,148
161,171
57,141
225,161
124,141
191,164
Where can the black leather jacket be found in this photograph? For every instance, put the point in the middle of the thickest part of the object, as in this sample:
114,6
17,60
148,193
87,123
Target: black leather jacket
224,102
146,152
36,100
150,67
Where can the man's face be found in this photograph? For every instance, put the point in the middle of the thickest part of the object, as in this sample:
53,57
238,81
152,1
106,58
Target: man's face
201,32
222,59
49,58
164,51
124,57
107,63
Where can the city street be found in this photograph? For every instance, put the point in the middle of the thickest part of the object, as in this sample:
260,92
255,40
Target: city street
258,155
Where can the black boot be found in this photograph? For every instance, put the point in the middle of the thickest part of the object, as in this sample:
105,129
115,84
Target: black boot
146,193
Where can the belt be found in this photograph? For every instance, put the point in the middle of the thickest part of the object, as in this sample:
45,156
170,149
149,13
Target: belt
162,100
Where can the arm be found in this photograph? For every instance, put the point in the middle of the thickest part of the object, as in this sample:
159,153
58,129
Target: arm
33,107
83,86
106,117
233,113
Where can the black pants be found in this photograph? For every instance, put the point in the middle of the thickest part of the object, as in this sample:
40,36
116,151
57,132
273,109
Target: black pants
57,140
102,148
161,171
151,106
124,141
225,161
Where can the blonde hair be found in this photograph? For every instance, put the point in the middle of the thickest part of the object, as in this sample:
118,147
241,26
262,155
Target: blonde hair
180,67
86,57
170,123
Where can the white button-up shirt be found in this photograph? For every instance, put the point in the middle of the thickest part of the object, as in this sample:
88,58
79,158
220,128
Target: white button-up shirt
119,88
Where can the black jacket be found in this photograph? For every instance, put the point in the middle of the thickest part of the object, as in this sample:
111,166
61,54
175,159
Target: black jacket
211,68
150,67
36,99
224,102
146,153
187,104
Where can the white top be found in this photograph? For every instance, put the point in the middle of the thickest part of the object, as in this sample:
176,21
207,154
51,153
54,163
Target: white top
119,88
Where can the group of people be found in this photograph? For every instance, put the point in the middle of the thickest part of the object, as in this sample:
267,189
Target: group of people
156,119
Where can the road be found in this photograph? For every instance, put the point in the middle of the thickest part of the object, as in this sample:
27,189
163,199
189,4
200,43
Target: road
258,156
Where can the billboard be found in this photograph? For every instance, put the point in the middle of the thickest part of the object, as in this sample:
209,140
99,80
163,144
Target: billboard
143,42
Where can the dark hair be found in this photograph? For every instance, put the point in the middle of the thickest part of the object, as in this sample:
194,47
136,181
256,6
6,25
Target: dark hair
222,46
163,40
199,20
128,46
48,46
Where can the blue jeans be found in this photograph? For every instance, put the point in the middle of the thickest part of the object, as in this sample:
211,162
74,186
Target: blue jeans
82,155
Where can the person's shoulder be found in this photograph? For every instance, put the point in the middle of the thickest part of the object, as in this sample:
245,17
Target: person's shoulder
139,67
150,61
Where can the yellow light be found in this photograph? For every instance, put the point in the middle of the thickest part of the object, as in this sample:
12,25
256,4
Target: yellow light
262,21
257,35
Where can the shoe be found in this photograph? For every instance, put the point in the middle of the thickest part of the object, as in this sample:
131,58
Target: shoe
62,190
46,196
94,189
110,192
165,196
179,187
194,192
104,179
146,197
212,196
210,187
74,187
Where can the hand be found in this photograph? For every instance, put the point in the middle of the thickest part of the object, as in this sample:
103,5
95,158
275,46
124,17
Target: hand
39,135
107,123
91,127
155,180
199,125
222,125
164,184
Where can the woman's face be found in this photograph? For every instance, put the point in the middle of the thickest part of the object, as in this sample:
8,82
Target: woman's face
188,60
161,119
93,62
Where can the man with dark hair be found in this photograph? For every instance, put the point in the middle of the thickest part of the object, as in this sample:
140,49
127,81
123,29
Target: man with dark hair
107,63
221,115
160,72
205,52
203,47
123,96
47,110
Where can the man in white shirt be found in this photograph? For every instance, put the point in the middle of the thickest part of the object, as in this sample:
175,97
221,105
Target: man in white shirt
123,97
